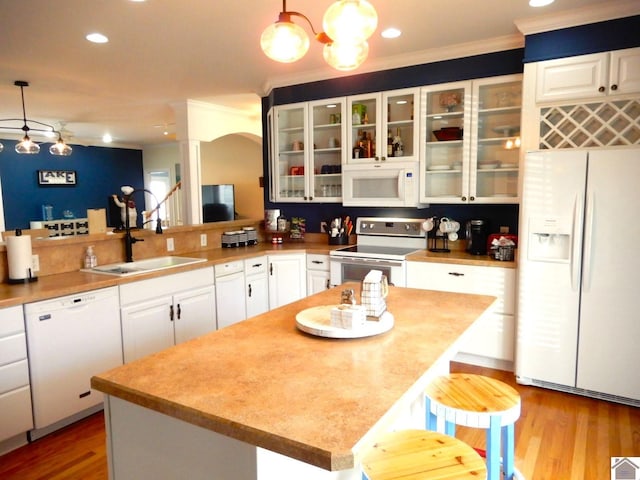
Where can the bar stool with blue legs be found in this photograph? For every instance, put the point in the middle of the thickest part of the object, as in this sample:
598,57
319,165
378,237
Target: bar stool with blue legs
421,454
480,402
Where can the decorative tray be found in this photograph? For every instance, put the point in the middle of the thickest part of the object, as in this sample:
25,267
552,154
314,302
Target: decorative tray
317,321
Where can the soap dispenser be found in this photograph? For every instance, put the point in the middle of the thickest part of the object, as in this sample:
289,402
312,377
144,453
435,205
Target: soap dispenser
90,259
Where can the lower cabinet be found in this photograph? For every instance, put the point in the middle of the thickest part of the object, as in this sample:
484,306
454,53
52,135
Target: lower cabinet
160,312
256,285
287,282
494,338
318,277
15,394
230,303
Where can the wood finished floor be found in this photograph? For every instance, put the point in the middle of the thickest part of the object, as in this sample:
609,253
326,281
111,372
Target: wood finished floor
558,436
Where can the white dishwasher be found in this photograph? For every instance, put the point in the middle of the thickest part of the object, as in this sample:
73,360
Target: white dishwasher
69,340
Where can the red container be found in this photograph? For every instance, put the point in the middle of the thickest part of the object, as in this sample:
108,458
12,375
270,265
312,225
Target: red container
448,133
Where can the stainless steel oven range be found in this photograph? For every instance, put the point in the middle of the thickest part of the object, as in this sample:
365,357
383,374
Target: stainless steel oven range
383,244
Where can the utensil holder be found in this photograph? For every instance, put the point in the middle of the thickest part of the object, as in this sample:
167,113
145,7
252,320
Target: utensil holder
339,240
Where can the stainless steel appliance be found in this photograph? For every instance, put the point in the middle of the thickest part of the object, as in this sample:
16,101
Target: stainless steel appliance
383,244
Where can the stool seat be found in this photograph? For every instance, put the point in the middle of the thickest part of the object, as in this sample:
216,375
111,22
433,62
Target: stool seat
422,454
471,400
479,402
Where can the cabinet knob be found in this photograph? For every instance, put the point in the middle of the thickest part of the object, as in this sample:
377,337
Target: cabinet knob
464,199
310,198
471,199
614,87
601,89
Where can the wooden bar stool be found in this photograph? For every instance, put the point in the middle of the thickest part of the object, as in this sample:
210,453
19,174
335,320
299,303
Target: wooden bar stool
422,454
480,402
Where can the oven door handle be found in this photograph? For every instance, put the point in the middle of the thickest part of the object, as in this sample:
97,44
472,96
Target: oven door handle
368,261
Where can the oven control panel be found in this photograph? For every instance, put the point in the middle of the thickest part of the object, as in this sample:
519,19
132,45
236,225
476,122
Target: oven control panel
402,227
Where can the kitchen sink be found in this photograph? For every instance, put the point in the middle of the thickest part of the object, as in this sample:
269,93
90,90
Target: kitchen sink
125,269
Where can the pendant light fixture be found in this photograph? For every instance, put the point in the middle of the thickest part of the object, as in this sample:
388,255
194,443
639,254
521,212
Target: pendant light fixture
347,26
27,146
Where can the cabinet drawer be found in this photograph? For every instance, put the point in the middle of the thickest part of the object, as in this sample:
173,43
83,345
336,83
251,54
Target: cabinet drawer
14,375
15,413
494,281
317,262
13,348
255,266
11,321
228,268
492,337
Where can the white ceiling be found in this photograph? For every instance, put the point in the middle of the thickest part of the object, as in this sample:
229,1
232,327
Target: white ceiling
165,51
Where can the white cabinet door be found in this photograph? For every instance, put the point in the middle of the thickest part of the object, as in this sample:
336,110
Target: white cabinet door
287,282
257,294
594,76
495,336
584,76
624,73
230,299
194,313
256,285
147,328
15,393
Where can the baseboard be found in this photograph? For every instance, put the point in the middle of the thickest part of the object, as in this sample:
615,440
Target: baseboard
37,433
12,443
481,361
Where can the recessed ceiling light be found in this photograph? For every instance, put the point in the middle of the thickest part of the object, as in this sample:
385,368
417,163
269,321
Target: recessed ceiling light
106,138
97,38
540,3
391,32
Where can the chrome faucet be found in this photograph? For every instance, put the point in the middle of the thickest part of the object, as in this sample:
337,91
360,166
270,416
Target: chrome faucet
129,239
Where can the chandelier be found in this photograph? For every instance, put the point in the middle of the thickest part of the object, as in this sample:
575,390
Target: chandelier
347,26
26,145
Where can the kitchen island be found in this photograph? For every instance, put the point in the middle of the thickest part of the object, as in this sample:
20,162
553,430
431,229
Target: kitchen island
263,400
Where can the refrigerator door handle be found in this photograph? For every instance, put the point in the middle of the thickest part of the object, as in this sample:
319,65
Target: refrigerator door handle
588,240
577,240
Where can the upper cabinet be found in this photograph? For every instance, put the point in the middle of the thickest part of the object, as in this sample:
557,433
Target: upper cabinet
306,151
589,76
383,127
470,138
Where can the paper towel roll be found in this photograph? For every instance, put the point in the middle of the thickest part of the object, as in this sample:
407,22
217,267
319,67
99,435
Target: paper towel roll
20,259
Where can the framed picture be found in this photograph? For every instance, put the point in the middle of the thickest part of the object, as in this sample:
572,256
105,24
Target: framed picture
57,177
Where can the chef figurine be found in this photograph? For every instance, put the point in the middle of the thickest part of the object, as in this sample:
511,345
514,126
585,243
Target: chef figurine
133,214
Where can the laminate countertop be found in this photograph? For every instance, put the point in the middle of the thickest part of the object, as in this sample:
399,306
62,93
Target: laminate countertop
315,399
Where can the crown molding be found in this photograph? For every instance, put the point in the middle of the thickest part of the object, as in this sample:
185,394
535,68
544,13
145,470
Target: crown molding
461,50
580,16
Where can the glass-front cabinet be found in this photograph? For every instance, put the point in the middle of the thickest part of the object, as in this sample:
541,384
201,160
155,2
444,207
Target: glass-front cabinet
382,127
307,154
471,143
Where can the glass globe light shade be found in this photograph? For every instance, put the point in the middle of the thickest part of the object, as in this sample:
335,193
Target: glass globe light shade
27,146
60,148
350,21
346,56
284,41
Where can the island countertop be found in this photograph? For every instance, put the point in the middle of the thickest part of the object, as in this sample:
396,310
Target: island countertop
314,399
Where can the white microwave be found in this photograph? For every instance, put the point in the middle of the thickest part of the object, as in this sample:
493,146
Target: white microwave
381,185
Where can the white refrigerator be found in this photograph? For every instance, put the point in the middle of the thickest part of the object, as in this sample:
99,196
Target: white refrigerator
579,273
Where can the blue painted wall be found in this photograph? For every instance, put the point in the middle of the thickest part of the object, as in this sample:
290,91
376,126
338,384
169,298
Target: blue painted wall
581,40
100,173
